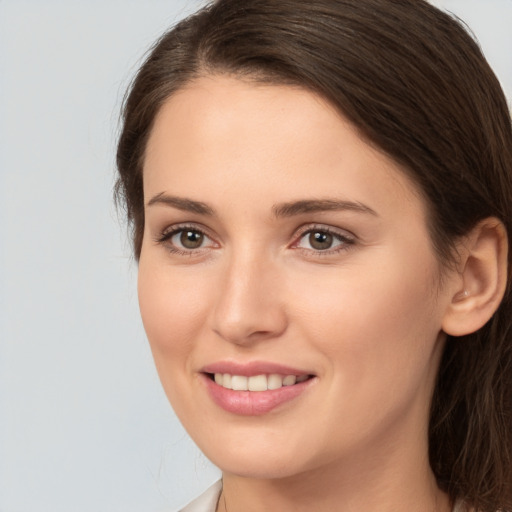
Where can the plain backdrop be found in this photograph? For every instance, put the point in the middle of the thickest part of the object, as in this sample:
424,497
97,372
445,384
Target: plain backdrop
84,425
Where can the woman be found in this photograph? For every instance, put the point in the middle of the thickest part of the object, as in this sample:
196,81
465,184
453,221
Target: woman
320,194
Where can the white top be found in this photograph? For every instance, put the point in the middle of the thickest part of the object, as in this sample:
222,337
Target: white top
207,502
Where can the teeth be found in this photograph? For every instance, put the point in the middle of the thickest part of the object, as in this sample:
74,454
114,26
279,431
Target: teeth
226,381
239,383
257,382
275,381
289,380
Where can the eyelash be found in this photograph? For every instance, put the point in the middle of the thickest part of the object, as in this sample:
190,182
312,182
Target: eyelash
166,236
346,241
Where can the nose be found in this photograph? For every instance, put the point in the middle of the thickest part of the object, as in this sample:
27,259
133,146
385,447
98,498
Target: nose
249,308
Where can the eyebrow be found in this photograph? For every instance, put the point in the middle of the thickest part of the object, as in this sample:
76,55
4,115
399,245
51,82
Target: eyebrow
320,205
279,210
182,203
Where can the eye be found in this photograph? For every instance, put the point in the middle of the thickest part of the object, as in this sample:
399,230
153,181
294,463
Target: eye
188,239
185,240
324,240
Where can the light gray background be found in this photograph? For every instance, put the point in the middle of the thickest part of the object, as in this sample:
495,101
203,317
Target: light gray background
84,425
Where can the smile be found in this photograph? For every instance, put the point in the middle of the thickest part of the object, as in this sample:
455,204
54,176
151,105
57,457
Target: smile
257,393
257,382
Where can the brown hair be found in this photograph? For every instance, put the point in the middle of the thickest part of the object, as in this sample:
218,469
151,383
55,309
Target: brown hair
417,86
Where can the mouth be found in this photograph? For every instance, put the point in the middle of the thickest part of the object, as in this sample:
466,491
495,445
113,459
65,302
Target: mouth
257,393
256,383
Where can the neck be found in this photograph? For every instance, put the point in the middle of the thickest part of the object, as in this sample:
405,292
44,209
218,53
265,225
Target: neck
304,494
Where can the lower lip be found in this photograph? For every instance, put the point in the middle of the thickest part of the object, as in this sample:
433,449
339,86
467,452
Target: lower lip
253,403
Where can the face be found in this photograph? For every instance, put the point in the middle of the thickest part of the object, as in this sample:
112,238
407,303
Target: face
287,282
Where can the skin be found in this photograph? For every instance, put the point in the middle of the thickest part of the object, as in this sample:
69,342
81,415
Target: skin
364,317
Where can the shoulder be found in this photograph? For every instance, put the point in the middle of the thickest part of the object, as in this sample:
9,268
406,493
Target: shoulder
206,502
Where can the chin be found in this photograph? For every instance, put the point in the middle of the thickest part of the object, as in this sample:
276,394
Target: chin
258,466
260,455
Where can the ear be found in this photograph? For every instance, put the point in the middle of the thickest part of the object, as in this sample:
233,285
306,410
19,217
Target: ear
480,285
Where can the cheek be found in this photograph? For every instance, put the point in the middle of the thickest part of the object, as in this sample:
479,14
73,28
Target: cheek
377,323
378,336
172,309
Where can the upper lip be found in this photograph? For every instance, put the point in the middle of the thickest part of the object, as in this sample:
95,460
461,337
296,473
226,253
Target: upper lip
252,368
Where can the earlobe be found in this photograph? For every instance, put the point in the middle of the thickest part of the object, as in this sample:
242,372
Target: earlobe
482,279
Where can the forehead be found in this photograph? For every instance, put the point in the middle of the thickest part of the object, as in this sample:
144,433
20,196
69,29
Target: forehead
224,138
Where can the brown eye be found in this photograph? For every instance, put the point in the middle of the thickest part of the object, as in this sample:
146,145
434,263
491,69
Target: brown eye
186,241
324,240
190,239
320,240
